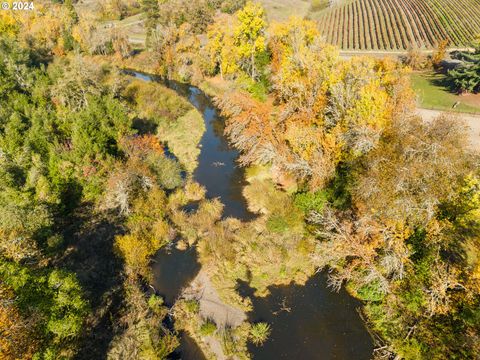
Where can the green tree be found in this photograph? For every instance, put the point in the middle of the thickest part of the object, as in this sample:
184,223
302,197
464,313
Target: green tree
466,77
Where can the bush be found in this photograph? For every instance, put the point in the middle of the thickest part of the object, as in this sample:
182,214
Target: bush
311,201
167,171
192,306
54,242
370,292
229,344
208,328
258,89
155,303
318,5
154,101
277,223
259,333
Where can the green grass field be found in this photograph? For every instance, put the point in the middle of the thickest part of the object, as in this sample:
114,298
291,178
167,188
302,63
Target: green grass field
433,93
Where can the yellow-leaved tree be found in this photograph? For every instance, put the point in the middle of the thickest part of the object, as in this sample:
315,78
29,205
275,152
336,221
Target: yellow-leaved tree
249,36
8,25
221,51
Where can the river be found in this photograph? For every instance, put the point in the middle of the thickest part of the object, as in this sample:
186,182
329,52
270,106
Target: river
308,322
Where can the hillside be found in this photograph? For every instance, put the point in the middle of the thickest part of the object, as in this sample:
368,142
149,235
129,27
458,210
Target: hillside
282,9
398,24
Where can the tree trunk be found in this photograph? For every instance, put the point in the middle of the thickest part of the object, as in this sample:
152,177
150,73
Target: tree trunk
252,60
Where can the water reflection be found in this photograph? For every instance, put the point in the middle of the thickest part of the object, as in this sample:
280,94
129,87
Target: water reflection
309,322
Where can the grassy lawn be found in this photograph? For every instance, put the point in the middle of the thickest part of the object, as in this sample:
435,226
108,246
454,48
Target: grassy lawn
433,93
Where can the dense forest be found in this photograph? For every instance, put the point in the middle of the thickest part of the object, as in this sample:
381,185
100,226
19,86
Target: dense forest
96,168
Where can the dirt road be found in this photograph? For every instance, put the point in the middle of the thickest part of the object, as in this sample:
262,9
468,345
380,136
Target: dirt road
472,121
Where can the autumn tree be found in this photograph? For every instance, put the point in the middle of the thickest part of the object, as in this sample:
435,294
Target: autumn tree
113,9
249,36
199,14
17,333
176,50
220,49
146,168
77,83
407,255
440,52
416,59
328,111
8,24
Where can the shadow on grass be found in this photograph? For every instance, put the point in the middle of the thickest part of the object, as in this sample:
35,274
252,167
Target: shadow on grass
441,81
89,254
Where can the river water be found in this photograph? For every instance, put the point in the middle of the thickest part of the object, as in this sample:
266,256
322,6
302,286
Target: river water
308,322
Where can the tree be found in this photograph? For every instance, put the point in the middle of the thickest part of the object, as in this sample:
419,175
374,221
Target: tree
231,6
466,77
114,9
416,59
439,54
407,258
77,82
71,10
329,111
176,49
54,300
198,14
221,50
151,8
8,25
17,333
249,36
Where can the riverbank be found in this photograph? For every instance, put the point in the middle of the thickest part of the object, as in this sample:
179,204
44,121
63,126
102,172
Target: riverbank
268,250
208,324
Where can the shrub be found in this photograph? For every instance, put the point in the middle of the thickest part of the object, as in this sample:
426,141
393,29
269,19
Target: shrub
229,344
167,171
155,303
370,292
311,201
193,306
318,5
277,223
208,328
258,89
259,333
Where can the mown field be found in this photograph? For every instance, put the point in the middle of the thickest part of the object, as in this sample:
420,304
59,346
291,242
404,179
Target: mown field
399,24
434,93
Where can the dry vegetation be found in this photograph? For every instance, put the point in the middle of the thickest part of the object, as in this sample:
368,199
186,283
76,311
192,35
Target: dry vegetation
282,9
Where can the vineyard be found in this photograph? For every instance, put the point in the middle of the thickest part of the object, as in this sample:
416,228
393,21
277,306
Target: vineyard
399,24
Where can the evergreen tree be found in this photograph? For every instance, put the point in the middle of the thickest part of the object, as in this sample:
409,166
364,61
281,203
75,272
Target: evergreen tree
466,78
